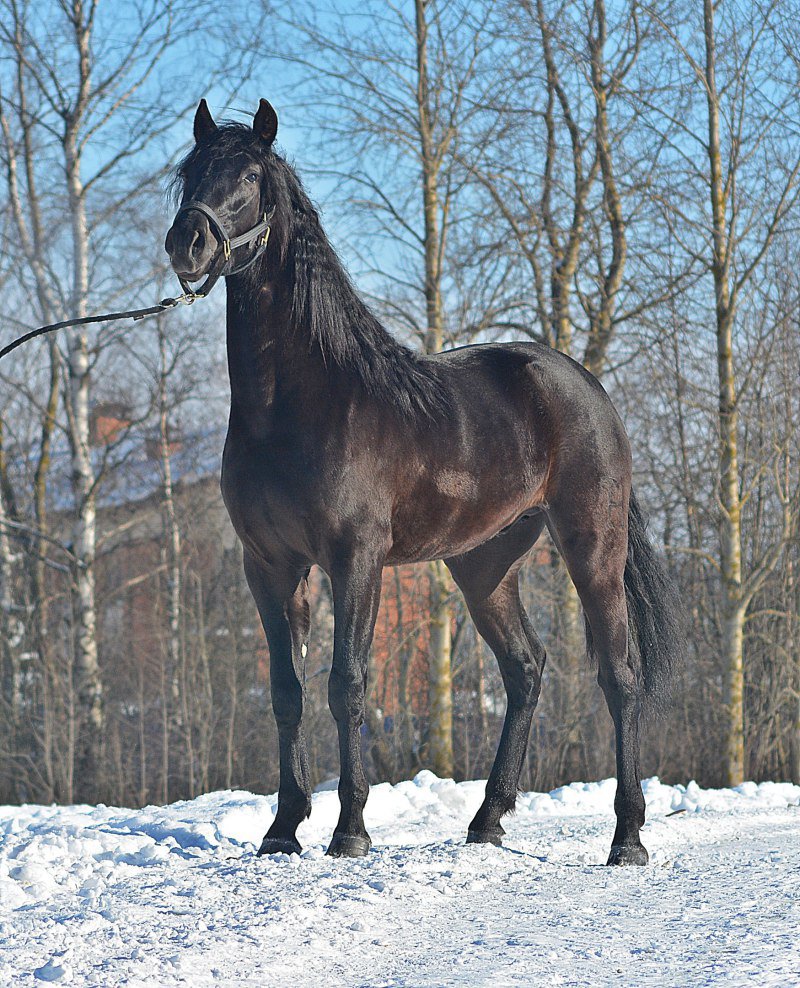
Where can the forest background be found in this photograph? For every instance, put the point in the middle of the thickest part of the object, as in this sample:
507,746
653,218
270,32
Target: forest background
615,179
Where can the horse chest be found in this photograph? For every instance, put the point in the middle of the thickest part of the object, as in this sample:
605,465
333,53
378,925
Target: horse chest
264,492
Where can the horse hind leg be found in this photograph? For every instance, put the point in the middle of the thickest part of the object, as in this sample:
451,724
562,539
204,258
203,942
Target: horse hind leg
491,590
503,623
621,685
594,541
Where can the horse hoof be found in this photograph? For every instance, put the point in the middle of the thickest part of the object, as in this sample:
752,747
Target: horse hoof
486,837
279,845
628,854
349,846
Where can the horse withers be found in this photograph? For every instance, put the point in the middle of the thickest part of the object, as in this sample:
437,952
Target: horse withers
347,450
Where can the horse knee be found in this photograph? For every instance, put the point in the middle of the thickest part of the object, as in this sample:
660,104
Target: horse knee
346,695
287,703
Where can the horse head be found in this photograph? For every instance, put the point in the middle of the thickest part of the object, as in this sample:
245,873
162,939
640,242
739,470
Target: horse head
222,225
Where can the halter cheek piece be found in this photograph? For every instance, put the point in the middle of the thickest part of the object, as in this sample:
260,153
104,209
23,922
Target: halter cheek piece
258,233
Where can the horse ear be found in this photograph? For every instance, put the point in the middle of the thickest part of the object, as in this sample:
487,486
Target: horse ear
204,125
265,122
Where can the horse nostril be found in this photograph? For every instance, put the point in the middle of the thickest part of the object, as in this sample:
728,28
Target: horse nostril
197,245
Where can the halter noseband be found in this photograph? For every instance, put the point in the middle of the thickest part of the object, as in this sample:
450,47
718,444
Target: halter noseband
259,232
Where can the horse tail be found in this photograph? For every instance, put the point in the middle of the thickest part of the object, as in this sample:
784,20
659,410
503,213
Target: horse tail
656,635
655,614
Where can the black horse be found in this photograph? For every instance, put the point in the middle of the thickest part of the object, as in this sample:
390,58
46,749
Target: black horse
347,450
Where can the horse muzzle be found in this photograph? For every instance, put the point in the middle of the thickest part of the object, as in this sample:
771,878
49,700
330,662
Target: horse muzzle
191,246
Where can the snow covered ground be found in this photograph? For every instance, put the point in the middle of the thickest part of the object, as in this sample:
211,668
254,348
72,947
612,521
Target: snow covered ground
175,895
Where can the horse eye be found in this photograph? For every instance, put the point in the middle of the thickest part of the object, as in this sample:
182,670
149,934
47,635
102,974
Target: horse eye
251,177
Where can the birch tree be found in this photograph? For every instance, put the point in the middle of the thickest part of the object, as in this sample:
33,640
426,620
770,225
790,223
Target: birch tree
399,78
736,150
82,106
433,150
556,178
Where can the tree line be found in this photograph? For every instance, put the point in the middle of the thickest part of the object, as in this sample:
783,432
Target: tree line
618,181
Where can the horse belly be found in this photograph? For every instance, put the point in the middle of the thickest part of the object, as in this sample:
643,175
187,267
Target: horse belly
456,514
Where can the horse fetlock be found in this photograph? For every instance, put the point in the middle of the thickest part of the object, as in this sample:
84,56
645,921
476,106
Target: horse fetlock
487,819
629,806
302,808
485,827
353,794
501,798
294,805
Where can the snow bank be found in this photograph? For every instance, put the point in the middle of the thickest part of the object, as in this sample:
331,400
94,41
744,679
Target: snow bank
168,895
426,806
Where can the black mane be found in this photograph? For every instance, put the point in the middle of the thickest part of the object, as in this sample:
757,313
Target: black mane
324,303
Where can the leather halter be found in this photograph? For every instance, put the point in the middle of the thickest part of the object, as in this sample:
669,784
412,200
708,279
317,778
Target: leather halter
259,233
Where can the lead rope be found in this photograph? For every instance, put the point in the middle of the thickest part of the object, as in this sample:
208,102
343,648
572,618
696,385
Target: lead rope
259,233
163,306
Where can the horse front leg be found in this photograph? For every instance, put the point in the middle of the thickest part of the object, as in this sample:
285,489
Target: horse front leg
356,596
282,600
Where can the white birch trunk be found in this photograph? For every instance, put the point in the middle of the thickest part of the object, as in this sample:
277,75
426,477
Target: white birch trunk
440,681
11,631
88,684
171,536
734,608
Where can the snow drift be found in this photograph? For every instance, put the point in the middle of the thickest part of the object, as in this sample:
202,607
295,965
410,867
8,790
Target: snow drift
175,895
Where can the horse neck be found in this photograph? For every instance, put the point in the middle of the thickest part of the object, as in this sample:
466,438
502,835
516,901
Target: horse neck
302,344
270,367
